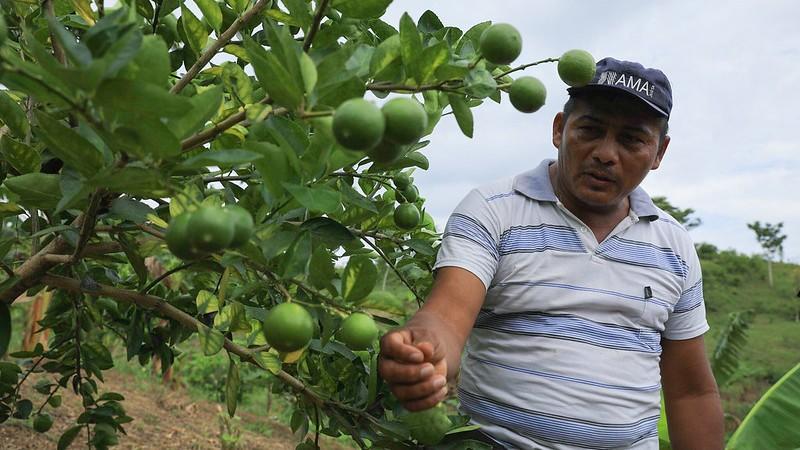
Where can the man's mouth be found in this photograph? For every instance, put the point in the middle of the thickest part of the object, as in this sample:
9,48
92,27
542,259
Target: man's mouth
599,176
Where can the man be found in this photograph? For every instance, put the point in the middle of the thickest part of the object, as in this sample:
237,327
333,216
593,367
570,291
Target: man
579,301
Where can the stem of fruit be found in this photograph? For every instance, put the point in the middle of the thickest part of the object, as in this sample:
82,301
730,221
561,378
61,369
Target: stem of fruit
322,5
313,114
525,66
223,40
163,276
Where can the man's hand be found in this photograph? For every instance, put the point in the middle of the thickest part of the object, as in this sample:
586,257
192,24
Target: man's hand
413,364
418,359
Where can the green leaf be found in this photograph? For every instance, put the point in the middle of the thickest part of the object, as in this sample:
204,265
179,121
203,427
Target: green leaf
206,302
151,63
13,116
362,9
22,157
77,52
321,270
5,328
221,158
133,180
309,72
232,387
284,47
268,361
299,9
66,439
469,43
274,77
318,198
772,422
385,54
297,257
196,32
212,14
84,9
203,107
69,146
432,57
410,47
273,166
237,82
145,137
38,190
282,17
359,278
140,98
463,114
429,22
480,83
135,333
211,340
328,231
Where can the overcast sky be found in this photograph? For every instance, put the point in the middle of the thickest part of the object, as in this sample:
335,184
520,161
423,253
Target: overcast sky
734,68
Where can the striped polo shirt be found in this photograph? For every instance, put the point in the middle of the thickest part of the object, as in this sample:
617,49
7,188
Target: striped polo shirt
565,351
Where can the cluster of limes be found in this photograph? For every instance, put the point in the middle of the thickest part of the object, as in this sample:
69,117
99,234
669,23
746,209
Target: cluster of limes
383,132
209,229
406,214
289,327
501,44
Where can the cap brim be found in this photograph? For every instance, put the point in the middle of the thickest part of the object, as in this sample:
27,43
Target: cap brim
594,87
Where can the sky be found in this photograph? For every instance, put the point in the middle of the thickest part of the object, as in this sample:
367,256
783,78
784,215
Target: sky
734,67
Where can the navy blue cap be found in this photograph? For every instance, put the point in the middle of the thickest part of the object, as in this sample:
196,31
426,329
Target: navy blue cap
649,85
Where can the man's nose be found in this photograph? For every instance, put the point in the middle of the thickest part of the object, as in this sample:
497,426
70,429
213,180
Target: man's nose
606,152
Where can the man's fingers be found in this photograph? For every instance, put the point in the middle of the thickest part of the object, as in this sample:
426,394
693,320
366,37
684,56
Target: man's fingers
398,346
401,373
419,391
427,402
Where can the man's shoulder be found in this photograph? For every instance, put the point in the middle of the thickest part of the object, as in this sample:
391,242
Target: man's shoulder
673,231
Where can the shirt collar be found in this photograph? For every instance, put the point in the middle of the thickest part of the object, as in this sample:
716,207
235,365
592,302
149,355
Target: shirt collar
535,184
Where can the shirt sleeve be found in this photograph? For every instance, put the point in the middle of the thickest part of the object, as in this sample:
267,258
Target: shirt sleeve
688,318
470,238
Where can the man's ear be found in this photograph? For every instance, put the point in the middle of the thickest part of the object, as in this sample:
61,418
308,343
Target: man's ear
661,152
558,129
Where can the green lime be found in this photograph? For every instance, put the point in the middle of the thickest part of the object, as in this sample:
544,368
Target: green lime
401,180
210,229
242,225
288,327
501,43
385,152
576,67
42,423
177,238
358,331
428,427
527,94
406,216
358,124
406,120
410,193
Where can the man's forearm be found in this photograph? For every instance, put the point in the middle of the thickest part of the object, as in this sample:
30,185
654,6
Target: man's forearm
696,422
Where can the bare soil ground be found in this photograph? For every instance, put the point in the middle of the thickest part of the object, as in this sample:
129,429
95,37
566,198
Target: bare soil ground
164,418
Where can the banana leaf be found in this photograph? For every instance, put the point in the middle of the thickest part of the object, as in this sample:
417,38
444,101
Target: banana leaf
774,421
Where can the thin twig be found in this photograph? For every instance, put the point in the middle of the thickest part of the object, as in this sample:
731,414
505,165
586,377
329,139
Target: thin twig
89,221
322,5
525,66
152,231
7,269
232,178
391,264
91,250
164,275
222,41
58,52
209,134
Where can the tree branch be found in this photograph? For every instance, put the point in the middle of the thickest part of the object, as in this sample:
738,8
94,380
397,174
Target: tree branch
223,40
151,302
92,250
164,275
209,134
525,66
322,5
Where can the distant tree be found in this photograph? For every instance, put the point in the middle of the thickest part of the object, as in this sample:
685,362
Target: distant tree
771,240
681,215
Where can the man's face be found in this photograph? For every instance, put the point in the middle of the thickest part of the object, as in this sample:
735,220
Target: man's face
606,147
